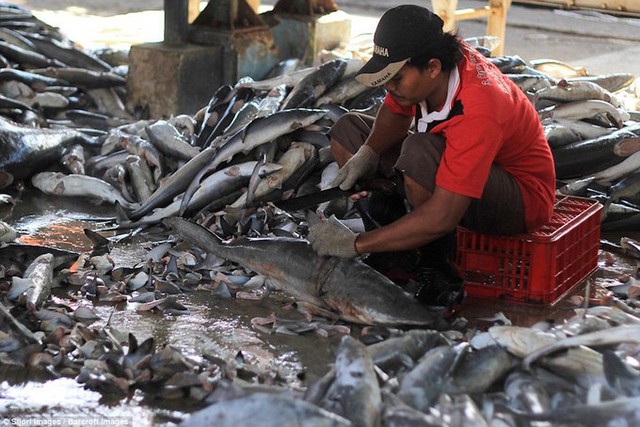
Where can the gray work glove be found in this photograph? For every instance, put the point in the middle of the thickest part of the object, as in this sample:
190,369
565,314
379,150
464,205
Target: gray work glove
363,163
329,239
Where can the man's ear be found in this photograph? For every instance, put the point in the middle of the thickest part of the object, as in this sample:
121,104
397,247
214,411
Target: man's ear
434,64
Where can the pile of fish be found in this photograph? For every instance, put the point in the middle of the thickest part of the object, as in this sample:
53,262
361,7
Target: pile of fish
210,182
592,125
582,372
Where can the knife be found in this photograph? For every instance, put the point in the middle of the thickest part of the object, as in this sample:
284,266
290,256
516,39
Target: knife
313,199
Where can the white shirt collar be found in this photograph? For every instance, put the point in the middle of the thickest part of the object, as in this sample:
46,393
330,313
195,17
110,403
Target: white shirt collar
452,88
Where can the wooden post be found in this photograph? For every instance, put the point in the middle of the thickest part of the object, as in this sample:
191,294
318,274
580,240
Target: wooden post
497,23
446,9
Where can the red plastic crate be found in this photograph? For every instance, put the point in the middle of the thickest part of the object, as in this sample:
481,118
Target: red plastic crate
536,268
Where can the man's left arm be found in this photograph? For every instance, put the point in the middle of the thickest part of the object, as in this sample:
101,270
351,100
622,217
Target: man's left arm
433,219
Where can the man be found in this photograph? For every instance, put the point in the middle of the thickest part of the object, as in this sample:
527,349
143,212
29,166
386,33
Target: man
476,156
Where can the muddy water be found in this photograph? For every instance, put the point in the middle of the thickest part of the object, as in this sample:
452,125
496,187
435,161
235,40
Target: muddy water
215,326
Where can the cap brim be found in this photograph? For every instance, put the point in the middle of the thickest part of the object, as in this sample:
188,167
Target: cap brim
378,71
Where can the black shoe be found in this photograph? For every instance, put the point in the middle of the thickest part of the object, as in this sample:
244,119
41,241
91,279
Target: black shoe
438,286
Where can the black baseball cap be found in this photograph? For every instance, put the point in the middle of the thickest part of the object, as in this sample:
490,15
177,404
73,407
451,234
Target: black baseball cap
403,32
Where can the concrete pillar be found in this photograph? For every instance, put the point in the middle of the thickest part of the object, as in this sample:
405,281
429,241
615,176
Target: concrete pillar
169,80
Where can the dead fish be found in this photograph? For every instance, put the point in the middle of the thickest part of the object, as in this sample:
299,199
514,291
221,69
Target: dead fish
108,101
292,160
479,370
273,410
26,56
582,364
141,177
531,82
176,183
73,185
211,113
341,92
73,159
405,350
24,150
166,138
615,335
613,82
212,193
307,90
354,392
7,233
587,109
556,68
578,90
83,77
258,132
297,269
33,80
147,151
39,275
589,156
622,410
421,386
66,52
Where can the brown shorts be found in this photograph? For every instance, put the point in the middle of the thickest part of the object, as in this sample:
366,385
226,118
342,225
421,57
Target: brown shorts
500,210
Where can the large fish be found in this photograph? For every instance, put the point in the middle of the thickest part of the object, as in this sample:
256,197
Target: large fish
584,157
24,150
350,288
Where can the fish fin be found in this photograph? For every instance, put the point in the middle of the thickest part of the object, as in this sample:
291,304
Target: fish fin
101,245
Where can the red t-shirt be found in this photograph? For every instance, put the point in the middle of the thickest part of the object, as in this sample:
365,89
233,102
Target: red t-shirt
492,122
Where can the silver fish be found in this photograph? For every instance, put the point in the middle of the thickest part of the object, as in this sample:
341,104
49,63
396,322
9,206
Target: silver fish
354,393
307,90
293,159
258,132
40,277
147,151
212,189
350,288
421,386
73,185
141,177
166,138
272,410
616,335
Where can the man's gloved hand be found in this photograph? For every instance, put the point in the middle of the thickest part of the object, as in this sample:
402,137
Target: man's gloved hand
329,239
363,163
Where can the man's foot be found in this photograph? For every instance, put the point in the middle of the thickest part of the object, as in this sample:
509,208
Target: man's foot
438,286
